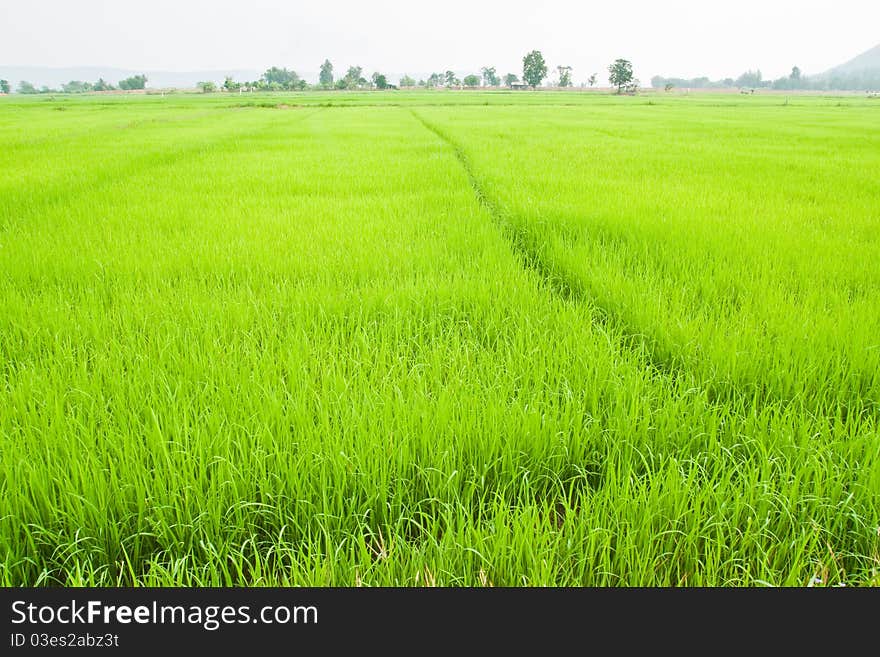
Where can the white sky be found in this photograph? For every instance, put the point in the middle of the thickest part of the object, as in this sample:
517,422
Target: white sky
669,37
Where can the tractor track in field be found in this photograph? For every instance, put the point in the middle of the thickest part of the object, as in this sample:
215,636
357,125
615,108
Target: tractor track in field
521,242
527,249
530,252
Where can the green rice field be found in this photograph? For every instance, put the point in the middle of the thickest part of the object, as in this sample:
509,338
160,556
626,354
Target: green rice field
440,338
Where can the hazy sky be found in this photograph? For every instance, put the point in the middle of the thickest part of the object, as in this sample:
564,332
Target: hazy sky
669,37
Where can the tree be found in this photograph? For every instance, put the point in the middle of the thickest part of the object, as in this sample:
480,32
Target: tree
275,74
407,81
750,79
101,85
593,79
490,79
534,68
793,81
354,78
668,86
380,81
564,76
134,82
325,77
283,79
509,79
25,87
4,86
472,81
435,80
451,80
207,87
703,82
231,85
620,73
76,87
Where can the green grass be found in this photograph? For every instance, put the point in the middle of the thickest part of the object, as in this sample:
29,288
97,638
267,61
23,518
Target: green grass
439,338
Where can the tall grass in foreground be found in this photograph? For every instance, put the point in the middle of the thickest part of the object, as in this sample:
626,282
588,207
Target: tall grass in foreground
260,346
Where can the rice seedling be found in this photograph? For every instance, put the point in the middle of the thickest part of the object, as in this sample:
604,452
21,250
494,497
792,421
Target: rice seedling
451,339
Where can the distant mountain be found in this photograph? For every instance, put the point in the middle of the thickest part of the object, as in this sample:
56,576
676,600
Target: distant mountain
861,73
867,61
55,77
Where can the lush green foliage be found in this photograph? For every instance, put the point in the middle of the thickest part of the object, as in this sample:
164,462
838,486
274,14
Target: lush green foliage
534,68
564,76
278,79
490,77
136,82
325,78
25,87
76,87
482,338
620,73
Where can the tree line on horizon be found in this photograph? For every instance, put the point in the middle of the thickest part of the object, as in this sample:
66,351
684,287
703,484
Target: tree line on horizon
795,80
78,86
534,73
